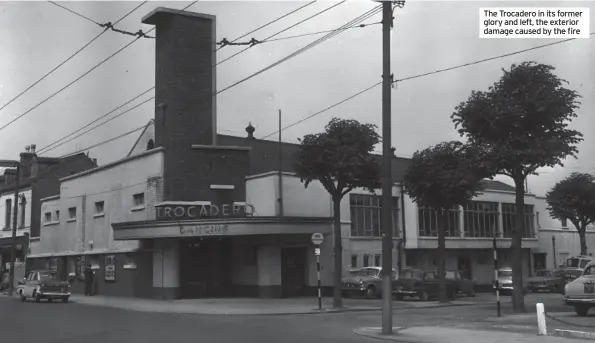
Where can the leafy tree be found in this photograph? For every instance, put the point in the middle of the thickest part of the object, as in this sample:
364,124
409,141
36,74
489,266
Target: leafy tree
440,177
341,159
574,199
521,122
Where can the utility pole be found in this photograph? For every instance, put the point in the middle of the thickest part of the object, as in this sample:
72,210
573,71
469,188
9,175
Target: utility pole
280,147
387,184
13,248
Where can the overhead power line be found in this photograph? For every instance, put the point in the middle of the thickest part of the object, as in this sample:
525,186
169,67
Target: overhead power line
267,24
313,33
55,145
106,141
74,12
321,40
69,58
279,32
83,75
419,76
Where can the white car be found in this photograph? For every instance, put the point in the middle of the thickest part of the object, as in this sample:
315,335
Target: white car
580,293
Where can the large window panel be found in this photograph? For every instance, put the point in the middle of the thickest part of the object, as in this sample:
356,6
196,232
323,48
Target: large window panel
428,222
366,215
508,213
481,219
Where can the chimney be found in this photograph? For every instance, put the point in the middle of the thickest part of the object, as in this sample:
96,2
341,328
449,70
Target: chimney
26,157
250,129
185,45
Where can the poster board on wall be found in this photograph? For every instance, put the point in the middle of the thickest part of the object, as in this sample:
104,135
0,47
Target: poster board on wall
81,267
110,268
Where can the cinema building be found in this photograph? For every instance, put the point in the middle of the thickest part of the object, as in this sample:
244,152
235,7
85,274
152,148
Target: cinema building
191,213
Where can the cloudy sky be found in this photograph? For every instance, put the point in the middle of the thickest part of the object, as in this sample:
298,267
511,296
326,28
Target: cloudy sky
37,36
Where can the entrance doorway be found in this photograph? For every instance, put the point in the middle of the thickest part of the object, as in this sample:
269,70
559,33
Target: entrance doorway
293,272
464,265
206,267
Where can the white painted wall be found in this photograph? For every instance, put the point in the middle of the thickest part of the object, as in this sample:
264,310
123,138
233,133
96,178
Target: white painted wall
269,265
115,185
7,231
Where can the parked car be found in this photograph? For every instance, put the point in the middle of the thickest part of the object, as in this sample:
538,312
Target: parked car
367,281
422,284
575,266
43,284
580,293
465,285
547,280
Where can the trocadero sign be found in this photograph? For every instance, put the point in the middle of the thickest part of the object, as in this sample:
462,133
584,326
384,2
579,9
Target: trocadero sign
204,211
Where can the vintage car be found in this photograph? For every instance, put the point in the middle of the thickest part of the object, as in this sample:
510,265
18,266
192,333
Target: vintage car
505,281
580,293
465,285
367,281
422,284
574,266
547,280
43,284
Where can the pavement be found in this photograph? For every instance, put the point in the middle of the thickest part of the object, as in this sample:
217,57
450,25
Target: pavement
259,306
431,334
77,322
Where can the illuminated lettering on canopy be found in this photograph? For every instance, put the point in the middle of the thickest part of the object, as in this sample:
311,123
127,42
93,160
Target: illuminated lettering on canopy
197,211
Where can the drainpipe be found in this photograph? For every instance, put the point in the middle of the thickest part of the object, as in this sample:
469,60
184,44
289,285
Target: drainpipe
404,238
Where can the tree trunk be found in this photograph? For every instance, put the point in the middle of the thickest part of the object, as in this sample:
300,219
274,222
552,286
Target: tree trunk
338,252
518,293
441,226
583,239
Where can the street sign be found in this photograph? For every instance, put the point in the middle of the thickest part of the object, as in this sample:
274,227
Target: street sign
317,251
317,238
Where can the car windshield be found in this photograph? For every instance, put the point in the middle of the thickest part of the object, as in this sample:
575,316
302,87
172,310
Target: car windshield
450,275
572,262
583,264
505,273
46,277
544,273
411,274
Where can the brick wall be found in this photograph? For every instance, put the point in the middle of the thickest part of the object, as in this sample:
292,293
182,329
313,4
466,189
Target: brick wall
154,195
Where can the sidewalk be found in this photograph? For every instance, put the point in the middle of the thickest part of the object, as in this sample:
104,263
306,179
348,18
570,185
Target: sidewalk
252,306
429,334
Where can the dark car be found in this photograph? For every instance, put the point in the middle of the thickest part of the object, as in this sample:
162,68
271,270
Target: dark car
422,284
547,280
465,285
367,281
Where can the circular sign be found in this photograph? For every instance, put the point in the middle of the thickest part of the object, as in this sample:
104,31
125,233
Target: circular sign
317,238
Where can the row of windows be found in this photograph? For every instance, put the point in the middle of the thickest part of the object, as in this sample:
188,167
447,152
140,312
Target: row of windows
138,200
8,215
369,260
365,213
480,219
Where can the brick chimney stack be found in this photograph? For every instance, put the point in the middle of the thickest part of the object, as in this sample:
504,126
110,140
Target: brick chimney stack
185,47
26,157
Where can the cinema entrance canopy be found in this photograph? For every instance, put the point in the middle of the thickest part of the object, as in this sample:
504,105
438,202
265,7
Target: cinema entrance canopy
203,250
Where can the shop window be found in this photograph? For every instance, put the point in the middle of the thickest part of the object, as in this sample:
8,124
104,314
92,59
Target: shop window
129,262
71,266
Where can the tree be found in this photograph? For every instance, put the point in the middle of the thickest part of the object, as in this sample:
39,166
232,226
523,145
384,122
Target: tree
341,159
521,122
440,177
574,199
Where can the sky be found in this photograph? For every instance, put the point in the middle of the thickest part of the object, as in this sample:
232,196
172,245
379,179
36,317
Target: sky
428,36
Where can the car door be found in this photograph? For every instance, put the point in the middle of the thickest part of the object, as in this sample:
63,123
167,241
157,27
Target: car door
28,286
589,281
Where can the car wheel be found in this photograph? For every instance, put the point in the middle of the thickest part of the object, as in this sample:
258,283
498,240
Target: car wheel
37,297
423,296
50,300
65,299
370,292
582,311
471,293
